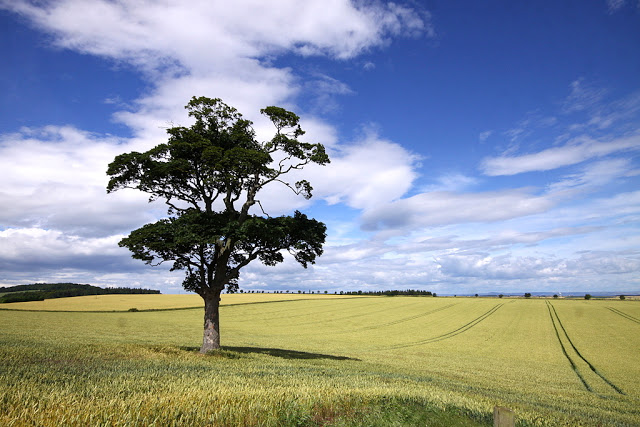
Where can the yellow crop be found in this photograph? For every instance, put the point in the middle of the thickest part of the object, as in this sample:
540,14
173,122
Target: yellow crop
124,302
325,361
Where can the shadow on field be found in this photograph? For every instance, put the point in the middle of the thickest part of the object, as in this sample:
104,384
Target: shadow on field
232,352
287,354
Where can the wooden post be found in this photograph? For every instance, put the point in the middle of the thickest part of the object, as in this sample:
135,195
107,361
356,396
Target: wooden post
503,417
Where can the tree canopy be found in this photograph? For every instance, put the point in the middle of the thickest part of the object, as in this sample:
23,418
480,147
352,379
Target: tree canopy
210,175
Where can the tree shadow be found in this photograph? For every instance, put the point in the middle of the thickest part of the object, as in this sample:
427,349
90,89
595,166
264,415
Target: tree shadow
275,352
232,352
287,354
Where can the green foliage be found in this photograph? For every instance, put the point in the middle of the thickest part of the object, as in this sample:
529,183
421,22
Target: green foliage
622,297
22,297
210,175
391,293
587,296
42,291
555,296
527,295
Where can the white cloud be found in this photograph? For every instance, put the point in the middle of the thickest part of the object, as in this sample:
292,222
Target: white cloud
452,182
215,48
615,5
55,178
622,113
365,174
47,248
156,34
441,208
507,267
593,175
485,135
582,97
575,151
322,91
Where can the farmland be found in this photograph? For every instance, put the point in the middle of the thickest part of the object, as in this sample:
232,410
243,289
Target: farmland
321,360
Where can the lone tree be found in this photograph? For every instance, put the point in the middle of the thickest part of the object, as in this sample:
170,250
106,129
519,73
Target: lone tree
210,175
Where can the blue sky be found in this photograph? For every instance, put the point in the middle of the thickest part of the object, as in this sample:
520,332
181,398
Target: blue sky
476,146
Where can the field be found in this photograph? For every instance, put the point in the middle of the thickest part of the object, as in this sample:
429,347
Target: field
322,360
123,302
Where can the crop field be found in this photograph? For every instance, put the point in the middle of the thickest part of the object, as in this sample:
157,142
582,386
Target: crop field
323,361
124,302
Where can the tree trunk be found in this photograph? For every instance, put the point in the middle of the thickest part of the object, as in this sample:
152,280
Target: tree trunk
211,338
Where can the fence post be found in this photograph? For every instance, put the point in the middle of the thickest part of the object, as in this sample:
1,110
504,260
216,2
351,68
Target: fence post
503,417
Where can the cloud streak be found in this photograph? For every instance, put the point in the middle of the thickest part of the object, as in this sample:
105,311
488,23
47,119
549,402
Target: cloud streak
576,151
442,208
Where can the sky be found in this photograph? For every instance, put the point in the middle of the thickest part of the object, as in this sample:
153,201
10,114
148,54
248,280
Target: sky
475,147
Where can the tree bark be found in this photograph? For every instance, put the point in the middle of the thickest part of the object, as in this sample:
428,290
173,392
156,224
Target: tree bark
211,337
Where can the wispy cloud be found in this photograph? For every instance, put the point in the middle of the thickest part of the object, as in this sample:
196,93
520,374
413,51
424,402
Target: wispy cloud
323,90
594,175
442,208
574,152
582,97
484,135
452,182
615,5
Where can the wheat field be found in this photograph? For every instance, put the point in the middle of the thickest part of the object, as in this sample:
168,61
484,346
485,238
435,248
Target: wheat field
322,360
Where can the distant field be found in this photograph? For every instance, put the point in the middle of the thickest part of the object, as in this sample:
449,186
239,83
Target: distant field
124,302
325,361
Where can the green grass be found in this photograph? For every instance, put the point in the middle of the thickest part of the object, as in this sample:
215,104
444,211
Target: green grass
360,361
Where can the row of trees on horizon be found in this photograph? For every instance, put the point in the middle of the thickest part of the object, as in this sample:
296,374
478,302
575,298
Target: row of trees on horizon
42,291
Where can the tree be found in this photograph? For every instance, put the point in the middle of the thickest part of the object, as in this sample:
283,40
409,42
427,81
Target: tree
622,297
555,296
210,175
527,295
587,296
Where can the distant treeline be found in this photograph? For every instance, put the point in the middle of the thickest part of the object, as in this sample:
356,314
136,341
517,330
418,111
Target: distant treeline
393,293
42,291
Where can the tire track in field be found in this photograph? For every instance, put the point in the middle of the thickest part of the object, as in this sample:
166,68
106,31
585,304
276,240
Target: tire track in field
625,315
564,351
555,318
453,333
352,316
282,314
408,319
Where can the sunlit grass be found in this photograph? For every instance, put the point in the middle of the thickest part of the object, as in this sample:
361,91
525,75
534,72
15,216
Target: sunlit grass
123,302
324,361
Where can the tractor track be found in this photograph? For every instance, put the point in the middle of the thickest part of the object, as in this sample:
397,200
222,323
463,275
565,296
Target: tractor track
555,320
625,315
408,319
453,333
